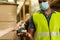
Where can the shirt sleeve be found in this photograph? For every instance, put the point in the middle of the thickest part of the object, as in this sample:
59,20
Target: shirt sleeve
31,23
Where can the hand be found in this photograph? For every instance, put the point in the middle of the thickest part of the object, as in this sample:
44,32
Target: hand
26,34
20,34
29,35
14,28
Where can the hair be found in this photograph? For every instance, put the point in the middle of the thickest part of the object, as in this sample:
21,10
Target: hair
39,1
42,1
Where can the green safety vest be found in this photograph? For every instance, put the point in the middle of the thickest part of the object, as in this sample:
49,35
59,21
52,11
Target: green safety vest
45,31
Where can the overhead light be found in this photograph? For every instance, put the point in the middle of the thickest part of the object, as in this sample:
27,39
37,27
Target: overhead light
11,1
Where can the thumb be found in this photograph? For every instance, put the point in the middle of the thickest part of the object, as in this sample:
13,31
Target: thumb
29,35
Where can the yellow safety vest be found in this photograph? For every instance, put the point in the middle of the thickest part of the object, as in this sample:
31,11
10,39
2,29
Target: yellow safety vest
45,32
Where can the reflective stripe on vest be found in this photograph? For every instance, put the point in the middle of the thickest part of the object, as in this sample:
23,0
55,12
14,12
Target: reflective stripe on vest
45,31
48,34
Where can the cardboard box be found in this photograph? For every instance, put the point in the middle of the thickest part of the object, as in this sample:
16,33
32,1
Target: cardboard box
8,12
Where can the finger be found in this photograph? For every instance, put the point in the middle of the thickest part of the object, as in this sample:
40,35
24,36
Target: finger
20,33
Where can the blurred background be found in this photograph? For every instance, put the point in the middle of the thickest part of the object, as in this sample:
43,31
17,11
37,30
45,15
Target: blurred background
12,11
30,6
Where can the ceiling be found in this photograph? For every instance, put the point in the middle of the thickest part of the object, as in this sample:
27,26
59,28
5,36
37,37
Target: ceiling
57,3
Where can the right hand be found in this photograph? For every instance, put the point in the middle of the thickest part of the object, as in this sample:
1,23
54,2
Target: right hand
29,35
26,34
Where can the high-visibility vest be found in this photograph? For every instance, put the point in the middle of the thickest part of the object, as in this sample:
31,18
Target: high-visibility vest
45,31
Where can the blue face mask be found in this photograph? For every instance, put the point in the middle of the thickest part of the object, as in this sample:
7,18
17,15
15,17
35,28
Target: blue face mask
44,5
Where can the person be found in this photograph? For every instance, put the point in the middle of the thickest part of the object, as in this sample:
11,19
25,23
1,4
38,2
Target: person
20,29
7,30
23,25
45,23
27,17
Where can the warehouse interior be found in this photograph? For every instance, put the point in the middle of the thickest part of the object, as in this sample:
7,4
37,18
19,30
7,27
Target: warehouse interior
55,4
12,11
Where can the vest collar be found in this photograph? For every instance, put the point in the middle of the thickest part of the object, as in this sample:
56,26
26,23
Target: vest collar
52,11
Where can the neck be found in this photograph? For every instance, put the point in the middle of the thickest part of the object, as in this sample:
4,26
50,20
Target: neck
48,11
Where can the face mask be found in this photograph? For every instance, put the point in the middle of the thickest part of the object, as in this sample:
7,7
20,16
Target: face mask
44,5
